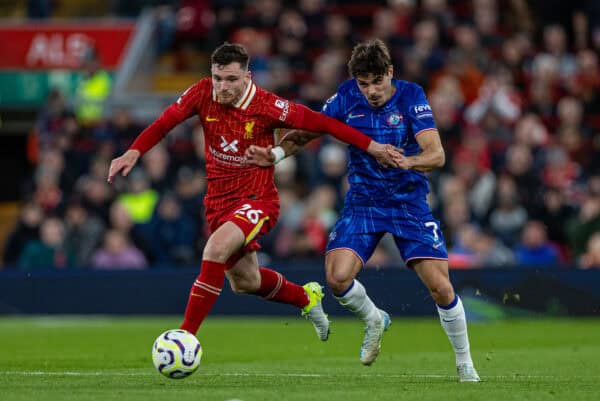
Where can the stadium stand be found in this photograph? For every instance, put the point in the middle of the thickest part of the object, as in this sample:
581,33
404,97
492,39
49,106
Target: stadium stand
516,99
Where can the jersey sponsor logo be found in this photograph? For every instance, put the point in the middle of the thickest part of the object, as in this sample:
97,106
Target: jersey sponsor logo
423,110
352,116
224,158
249,127
229,146
394,119
285,106
211,119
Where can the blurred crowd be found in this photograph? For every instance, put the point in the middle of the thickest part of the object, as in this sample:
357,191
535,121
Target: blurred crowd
515,90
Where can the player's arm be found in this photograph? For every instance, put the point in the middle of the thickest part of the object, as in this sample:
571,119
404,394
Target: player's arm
386,155
154,133
291,143
432,153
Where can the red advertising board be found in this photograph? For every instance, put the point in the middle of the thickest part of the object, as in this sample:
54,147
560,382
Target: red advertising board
47,46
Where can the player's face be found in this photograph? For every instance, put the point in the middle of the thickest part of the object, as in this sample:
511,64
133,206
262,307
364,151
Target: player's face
378,89
229,81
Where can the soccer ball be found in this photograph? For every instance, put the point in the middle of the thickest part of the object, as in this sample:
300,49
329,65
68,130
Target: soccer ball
176,354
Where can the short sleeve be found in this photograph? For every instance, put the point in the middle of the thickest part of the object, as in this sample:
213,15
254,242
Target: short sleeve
419,113
333,107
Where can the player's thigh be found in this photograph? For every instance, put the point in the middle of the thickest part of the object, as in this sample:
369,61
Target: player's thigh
227,239
434,274
244,275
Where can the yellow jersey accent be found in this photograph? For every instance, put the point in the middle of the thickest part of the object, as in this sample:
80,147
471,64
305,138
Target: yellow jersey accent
256,229
237,216
249,127
210,119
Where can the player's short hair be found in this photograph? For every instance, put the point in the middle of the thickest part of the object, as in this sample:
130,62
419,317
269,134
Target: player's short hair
229,53
370,57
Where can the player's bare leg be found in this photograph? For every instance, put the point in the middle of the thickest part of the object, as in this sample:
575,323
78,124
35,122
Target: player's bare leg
245,277
434,274
341,267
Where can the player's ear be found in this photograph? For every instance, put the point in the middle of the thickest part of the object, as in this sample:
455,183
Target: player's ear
391,70
248,75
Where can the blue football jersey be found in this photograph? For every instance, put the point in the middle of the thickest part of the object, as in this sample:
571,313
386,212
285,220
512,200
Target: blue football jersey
399,121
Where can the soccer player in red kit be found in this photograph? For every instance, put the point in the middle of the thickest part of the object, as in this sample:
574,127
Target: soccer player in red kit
242,203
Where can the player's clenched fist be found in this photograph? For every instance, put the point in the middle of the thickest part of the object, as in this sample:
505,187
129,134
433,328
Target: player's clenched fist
125,162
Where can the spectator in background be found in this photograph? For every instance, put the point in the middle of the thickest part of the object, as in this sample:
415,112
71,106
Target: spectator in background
508,217
555,212
26,230
591,258
118,253
50,251
83,232
190,186
92,91
172,234
120,220
156,166
581,227
96,196
139,199
535,250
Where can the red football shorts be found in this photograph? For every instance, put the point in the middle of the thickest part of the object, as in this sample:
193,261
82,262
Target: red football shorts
254,217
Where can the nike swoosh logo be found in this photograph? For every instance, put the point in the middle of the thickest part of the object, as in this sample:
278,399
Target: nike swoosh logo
209,119
351,116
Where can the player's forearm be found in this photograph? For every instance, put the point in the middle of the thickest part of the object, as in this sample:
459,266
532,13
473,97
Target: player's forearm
427,160
294,140
156,131
318,122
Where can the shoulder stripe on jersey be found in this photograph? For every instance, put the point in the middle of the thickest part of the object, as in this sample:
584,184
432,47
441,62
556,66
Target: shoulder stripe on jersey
245,100
425,130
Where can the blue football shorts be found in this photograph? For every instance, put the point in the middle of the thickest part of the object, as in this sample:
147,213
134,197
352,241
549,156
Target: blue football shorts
416,232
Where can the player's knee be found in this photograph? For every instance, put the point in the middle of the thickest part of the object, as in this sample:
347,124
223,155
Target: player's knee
442,293
338,281
241,286
243,283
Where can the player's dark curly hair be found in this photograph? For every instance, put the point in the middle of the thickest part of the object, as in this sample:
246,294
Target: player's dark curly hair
229,53
371,57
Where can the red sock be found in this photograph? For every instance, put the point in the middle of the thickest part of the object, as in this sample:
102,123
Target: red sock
274,287
204,293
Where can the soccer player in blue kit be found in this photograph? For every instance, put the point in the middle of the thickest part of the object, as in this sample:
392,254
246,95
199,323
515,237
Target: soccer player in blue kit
382,200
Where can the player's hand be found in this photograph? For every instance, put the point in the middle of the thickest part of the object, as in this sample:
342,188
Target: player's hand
386,155
125,163
404,162
259,156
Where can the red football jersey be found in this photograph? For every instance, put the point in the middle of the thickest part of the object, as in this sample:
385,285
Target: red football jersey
228,131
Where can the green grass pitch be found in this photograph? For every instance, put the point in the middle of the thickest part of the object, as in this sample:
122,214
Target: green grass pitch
280,358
